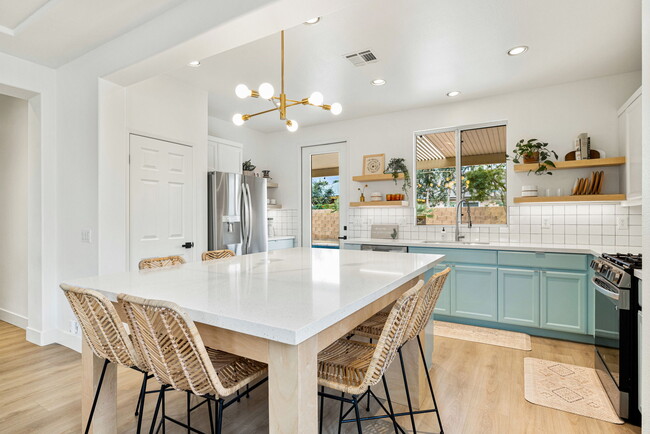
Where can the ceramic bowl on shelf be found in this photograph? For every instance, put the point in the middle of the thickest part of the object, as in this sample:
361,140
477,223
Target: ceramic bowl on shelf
375,197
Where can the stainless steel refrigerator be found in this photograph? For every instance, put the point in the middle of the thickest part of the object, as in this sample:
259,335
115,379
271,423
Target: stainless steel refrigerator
237,213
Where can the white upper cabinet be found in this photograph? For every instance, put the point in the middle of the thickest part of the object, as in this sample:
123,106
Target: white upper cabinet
629,125
224,155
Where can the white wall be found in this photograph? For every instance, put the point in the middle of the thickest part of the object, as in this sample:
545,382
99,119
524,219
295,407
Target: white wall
160,107
13,219
554,114
37,85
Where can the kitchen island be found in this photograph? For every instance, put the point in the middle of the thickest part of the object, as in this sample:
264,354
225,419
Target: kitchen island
279,307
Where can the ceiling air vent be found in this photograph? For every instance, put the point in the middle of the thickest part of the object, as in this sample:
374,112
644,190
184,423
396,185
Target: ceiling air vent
362,58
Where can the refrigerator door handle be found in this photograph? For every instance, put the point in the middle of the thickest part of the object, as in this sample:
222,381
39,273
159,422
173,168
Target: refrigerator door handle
243,207
249,226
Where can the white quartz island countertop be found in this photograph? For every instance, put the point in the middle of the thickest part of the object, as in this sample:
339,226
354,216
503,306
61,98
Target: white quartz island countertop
523,247
285,295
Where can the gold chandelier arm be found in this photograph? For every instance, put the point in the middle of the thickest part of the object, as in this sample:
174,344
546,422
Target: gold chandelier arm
265,111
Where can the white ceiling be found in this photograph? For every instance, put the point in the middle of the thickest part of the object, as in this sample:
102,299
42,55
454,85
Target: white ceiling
425,49
53,32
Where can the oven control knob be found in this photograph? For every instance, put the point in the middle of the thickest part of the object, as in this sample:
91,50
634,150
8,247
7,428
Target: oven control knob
616,277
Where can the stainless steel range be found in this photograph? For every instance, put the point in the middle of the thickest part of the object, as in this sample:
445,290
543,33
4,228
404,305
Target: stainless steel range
616,307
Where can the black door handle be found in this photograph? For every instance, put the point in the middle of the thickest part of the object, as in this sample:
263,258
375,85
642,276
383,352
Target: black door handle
188,245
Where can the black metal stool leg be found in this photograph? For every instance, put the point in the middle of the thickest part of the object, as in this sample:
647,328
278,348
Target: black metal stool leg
322,404
220,415
433,397
189,412
139,409
210,416
390,404
341,412
356,413
99,387
406,387
155,413
143,388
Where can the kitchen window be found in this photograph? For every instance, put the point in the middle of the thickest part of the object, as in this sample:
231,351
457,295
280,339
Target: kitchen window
466,162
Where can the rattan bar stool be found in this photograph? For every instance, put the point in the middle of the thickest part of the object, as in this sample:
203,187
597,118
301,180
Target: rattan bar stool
372,329
352,367
172,347
106,336
162,262
217,254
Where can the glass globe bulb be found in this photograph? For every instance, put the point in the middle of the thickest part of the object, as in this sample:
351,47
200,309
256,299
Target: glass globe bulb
292,126
242,91
238,119
266,90
316,98
336,108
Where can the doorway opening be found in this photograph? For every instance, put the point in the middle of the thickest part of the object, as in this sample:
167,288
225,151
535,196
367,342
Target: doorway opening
323,191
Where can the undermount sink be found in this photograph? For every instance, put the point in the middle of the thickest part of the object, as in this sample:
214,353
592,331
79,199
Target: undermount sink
455,243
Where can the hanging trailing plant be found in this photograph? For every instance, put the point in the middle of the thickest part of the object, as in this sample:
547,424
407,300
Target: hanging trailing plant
395,167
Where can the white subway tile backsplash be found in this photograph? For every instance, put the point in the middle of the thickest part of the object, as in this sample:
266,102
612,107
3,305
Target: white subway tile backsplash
635,220
570,224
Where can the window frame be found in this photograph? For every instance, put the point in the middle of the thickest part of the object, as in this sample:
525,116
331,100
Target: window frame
458,148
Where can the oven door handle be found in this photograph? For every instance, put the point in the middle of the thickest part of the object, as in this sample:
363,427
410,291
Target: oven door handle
603,288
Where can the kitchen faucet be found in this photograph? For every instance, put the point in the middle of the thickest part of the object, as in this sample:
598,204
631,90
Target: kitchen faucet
459,215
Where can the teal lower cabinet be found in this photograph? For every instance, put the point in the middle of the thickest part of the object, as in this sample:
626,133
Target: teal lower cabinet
443,305
475,294
563,298
518,295
544,294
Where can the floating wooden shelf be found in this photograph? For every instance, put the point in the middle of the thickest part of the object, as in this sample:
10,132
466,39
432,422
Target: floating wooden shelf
277,206
577,164
380,177
381,203
270,184
576,198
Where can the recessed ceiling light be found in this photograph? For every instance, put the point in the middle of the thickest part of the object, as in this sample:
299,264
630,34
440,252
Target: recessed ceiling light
194,64
378,82
515,51
453,93
313,20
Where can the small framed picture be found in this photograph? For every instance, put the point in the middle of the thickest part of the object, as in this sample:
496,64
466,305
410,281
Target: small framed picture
374,164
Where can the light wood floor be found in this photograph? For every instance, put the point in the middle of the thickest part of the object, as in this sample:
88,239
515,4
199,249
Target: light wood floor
479,389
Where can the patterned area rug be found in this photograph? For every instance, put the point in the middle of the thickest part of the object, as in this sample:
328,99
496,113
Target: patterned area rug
501,338
570,388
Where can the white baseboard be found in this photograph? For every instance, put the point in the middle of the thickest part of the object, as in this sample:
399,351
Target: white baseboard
40,337
13,318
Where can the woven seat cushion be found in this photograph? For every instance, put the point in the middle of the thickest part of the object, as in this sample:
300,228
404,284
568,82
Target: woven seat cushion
235,371
343,365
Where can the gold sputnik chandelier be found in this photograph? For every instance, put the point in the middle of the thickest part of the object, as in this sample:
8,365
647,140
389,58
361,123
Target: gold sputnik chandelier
282,103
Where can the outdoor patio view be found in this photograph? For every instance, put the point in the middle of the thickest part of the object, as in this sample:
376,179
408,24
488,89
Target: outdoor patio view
325,201
482,175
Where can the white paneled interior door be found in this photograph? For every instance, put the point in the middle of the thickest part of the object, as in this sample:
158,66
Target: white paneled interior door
161,202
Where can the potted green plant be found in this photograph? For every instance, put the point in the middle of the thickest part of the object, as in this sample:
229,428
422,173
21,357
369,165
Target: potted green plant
395,167
248,167
534,151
